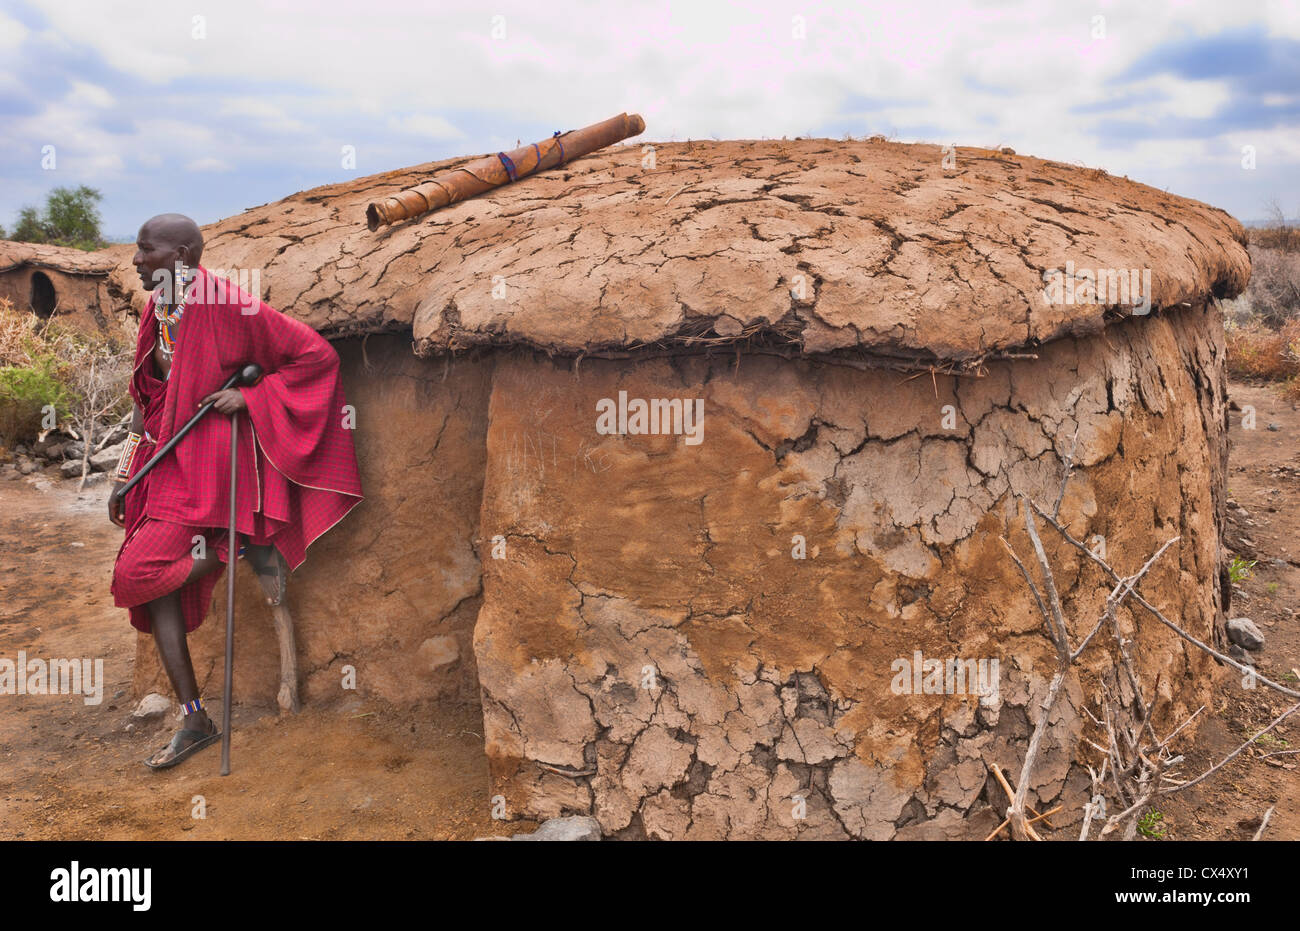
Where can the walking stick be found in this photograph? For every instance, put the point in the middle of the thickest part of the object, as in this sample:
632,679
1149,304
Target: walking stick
232,559
244,378
248,375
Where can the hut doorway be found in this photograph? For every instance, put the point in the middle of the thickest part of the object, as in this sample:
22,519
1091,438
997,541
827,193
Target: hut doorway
43,299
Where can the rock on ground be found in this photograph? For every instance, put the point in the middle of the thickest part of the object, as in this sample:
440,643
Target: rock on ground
152,705
1243,632
107,458
576,827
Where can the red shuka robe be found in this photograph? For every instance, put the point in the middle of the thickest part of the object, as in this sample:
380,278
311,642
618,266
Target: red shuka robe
297,468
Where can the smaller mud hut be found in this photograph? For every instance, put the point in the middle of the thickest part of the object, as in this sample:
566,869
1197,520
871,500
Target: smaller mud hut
695,631
64,284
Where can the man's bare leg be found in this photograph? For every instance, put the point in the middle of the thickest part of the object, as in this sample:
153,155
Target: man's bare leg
271,568
169,637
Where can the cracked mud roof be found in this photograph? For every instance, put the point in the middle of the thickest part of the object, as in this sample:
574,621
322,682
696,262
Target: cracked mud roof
57,258
900,258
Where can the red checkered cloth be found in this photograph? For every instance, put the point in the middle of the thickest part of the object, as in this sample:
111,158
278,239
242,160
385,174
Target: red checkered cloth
154,560
156,555
297,468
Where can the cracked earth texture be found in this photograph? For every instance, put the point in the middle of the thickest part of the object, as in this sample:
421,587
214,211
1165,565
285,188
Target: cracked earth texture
649,651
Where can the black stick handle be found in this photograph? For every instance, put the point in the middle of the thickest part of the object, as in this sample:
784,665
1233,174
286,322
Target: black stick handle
247,375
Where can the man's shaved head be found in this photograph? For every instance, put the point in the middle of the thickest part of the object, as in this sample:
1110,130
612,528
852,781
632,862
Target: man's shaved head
176,229
164,241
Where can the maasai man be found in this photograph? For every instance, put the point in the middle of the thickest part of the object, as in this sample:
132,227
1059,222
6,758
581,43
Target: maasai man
296,465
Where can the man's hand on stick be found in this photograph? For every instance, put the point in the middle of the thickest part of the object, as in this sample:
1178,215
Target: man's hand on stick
229,401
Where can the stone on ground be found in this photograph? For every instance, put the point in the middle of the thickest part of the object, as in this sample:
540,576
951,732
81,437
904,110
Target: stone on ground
1243,632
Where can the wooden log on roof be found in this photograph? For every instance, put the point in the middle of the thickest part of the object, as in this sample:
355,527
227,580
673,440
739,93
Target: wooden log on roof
495,171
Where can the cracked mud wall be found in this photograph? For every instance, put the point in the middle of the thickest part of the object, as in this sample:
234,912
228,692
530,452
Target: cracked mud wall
649,650
394,588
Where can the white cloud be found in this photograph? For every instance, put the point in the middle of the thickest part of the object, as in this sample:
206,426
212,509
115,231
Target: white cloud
197,133
1272,146
693,68
430,126
73,136
1191,99
12,34
702,68
209,163
93,95
130,36
262,111
95,164
1283,18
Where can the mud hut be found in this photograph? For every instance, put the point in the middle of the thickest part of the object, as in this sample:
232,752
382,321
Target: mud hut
68,285
700,441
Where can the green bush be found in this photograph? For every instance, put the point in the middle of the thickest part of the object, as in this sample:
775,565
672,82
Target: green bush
25,391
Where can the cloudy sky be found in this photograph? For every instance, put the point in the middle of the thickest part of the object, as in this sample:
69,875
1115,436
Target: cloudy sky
208,109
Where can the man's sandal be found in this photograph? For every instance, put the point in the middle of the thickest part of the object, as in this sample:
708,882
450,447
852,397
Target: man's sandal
200,739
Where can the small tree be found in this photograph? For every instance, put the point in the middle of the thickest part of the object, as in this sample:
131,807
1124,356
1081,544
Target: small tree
71,218
99,378
30,227
96,373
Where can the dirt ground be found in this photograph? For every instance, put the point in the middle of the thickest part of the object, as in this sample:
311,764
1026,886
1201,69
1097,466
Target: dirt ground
359,769
1263,527
72,771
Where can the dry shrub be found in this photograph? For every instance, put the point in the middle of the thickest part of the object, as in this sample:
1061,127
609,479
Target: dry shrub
1278,234
1263,324
16,332
43,365
1273,294
1281,237
1257,351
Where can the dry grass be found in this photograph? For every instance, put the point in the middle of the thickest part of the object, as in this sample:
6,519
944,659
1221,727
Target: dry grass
17,331
1263,334
85,378
1282,238
1256,351
1273,295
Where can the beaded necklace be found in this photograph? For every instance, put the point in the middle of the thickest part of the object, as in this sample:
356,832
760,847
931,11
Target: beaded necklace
169,319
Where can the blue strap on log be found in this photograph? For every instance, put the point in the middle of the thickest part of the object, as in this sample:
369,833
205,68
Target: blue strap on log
513,173
509,166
